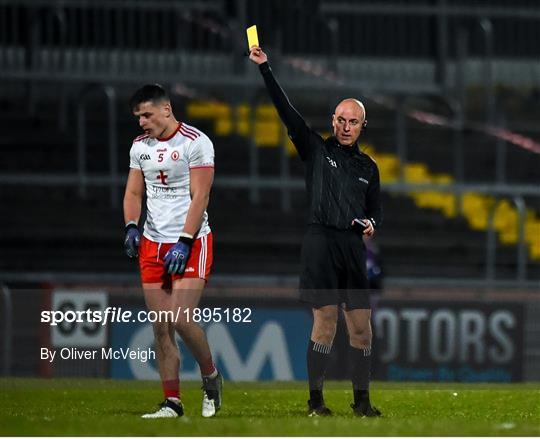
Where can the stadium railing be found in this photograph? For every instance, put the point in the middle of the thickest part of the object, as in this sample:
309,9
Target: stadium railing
414,44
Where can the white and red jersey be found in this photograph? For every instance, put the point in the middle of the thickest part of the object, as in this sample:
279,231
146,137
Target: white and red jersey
165,164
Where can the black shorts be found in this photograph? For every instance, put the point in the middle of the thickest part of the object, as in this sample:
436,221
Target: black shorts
333,268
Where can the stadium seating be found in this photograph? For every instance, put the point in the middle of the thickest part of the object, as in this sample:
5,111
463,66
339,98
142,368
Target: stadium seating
52,229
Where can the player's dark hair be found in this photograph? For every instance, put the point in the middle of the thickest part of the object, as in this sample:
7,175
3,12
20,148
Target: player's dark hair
148,93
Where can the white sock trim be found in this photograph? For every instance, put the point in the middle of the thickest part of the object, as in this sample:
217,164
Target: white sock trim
212,375
321,348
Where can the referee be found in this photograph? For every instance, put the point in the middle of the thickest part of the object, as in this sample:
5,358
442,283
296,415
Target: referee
344,204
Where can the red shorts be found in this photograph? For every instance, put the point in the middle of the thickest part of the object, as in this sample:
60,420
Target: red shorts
153,270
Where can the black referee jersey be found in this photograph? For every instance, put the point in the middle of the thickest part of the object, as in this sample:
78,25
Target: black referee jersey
341,181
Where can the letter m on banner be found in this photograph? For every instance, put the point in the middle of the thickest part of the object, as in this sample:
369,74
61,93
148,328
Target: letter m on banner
269,345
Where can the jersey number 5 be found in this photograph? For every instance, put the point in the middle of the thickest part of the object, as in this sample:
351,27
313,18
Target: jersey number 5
160,157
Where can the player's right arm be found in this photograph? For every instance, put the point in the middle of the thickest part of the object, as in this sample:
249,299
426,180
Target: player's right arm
132,211
298,130
133,196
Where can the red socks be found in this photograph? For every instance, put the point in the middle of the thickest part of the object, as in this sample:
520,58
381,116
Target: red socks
207,367
171,388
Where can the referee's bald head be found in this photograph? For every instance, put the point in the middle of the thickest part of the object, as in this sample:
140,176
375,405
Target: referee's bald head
348,120
354,103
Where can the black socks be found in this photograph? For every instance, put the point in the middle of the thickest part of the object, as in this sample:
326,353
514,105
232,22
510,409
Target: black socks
318,356
361,373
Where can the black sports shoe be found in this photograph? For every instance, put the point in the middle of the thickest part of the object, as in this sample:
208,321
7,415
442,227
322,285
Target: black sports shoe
167,409
318,409
365,410
212,388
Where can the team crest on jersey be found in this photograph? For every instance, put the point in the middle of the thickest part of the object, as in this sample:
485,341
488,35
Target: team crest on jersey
175,155
333,163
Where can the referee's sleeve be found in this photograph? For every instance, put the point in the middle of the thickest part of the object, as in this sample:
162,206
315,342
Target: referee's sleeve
296,125
374,209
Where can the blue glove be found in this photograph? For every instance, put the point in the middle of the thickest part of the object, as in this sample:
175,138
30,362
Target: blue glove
132,240
176,258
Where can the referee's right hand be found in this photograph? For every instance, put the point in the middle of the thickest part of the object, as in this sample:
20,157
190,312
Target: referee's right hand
369,230
363,226
257,55
132,240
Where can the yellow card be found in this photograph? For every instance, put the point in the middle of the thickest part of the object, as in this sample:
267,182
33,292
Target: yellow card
253,38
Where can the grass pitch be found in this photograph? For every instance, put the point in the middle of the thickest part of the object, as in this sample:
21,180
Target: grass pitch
87,407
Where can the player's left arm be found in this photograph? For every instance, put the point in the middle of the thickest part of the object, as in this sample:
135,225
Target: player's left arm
201,179
200,158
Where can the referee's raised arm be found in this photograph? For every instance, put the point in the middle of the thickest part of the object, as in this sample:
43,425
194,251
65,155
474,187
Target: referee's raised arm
296,125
